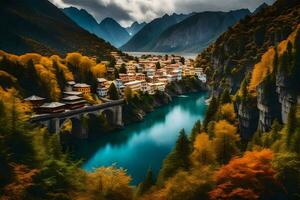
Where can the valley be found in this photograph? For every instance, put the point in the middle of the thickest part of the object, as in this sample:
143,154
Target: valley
143,100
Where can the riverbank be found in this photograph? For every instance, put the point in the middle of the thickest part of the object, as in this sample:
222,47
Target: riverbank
137,107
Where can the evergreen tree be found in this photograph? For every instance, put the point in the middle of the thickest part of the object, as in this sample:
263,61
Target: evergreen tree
182,60
225,97
123,69
195,131
177,159
211,111
116,72
146,185
113,92
291,124
158,65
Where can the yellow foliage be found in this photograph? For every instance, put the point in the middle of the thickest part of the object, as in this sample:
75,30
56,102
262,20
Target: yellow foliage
99,70
265,66
203,152
227,112
24,59
49,81
222,127
11,99
185,185
109,181
261,70
73,58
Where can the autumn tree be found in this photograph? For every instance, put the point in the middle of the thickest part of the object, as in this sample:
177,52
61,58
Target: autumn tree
287,166
109,183
225,141
203,152
249,177
227,113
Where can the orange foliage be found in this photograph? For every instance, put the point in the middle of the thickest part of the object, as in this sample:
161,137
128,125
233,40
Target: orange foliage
246,177
23,179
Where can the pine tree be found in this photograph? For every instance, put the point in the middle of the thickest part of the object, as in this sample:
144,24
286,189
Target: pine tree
158,65
123,69
225,98
113,92
177,159
146,185
291,124
195,131
116,72
211,111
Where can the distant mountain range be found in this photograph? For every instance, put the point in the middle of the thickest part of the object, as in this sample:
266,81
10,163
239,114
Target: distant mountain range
135,27
108,29
147,35
39,26
191,33
195,32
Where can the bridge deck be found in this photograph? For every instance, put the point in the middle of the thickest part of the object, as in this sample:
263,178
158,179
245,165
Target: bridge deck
87,109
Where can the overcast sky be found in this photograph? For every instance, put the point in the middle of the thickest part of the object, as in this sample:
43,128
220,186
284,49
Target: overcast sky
128,11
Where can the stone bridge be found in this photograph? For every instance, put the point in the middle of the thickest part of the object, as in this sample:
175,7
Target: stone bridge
54,122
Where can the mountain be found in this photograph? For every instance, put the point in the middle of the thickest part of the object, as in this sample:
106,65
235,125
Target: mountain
135,27
114,32
142,40
242,58
196,32
108,29
259,8
85,20
39,26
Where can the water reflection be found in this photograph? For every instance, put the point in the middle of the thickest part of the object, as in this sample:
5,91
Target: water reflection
144,144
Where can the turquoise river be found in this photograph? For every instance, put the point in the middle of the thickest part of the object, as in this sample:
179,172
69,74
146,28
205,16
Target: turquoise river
142,145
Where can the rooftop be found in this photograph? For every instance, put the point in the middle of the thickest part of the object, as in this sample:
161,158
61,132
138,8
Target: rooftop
72,98
34,98
52,105
83,85
73,93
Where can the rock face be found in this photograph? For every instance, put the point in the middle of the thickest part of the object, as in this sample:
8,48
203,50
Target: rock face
286,97
248,120
268,105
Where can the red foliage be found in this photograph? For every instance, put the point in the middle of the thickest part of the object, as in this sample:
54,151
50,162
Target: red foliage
249,177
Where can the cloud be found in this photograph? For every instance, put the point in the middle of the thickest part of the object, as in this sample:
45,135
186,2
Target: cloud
128,11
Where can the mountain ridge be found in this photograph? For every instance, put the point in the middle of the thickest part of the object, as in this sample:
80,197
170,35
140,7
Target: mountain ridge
39,26
189,35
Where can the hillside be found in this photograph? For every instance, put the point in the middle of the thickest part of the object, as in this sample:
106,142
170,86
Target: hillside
196,32
142,40
236,51
110,30
135,27
39,26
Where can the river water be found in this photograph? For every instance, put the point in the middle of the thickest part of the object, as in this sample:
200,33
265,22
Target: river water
142,145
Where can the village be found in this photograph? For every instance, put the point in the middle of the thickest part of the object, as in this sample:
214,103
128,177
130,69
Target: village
147,74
